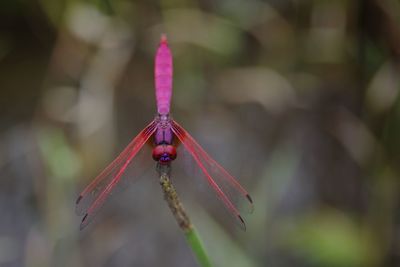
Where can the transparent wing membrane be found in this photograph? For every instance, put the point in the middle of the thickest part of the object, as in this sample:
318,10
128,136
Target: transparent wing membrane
97,192
232,194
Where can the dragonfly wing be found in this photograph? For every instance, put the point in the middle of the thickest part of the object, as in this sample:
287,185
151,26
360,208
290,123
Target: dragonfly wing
95,194
232,194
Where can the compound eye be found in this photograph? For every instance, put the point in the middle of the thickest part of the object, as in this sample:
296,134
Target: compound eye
158,151
171,150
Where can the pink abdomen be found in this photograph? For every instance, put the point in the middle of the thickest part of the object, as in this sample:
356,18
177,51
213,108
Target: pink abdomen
163,76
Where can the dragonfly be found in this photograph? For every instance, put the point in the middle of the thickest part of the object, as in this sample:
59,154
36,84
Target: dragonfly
164,134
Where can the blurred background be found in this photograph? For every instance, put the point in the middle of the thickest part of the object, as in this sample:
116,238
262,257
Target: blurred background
299,99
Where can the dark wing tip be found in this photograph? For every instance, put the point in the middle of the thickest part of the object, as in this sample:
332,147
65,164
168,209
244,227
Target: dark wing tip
78,199
78,209
242,224
83,222
251,209
249,198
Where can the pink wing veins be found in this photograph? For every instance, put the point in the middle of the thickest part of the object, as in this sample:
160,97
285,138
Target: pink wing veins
225,185
95,194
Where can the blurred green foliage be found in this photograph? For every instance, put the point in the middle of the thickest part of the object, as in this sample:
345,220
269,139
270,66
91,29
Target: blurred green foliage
331,239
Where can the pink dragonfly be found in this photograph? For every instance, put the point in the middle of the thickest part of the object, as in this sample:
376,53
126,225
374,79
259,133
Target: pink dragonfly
164,134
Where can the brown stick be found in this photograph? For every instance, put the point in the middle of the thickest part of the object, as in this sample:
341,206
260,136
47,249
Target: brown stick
172,198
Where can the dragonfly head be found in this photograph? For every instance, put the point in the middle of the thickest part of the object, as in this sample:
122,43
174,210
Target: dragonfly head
164,153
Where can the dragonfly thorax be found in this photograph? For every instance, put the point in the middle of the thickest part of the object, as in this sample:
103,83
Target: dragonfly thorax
164,153
163,133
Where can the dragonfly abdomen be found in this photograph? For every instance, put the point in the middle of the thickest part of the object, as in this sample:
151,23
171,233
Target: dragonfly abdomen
163,77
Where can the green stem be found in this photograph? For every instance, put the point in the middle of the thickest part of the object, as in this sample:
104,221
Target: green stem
191,235
195,243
